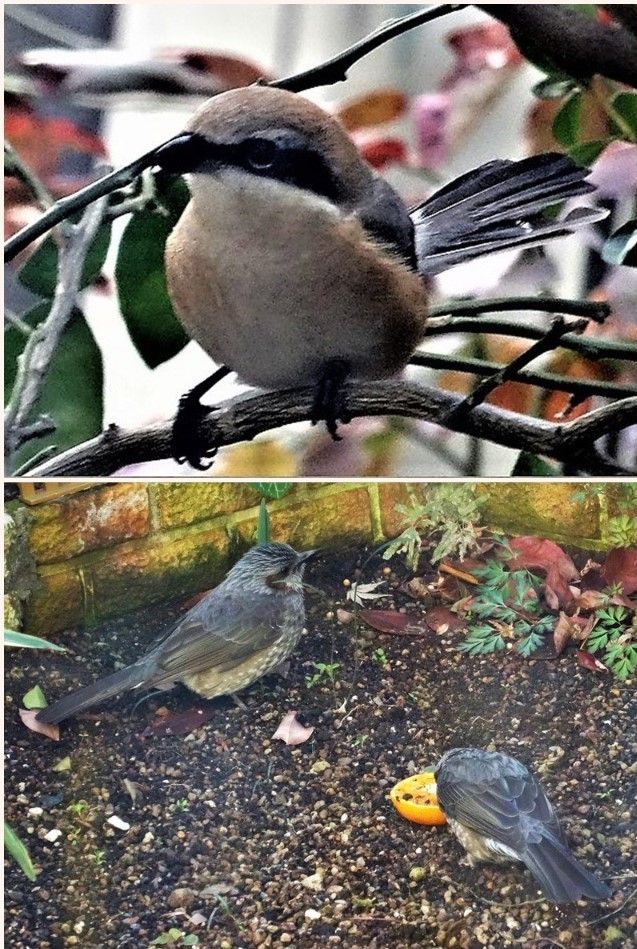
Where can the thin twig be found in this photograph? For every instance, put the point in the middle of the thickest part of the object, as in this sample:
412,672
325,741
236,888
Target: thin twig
583,388
335,70
15,166
559,327
599,312
35,359
246,416
614,912
593,347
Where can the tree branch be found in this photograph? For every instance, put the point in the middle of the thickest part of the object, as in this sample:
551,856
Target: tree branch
335,70
560,36
42,342
245,417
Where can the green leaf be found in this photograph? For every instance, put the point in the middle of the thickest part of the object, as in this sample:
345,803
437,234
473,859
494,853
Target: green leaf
263,524
191,940
64,764
621,247
34,698
624,104
40,273
588,152
554,87
25,641
141,277
72,390
529,464
273,489
566,124
18,851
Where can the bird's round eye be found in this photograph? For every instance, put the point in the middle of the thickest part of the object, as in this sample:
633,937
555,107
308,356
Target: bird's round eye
261,153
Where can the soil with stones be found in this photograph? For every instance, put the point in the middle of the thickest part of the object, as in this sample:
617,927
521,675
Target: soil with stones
242,841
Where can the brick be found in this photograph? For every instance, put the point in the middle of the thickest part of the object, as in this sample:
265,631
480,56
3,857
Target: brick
309,520
540,508
91,520
391,494
178,505
56,604
157,569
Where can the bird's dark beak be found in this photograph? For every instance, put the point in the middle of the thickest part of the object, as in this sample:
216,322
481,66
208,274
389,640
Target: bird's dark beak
306,555
186,152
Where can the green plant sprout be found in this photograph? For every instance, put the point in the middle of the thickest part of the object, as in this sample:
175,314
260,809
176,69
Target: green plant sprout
325,672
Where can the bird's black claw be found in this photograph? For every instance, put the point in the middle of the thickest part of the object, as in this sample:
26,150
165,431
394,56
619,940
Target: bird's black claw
330,404
187,443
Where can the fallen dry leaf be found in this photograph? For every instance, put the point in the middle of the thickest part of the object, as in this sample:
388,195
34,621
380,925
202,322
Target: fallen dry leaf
372,108
291,731
569,629
394,623
418,588
40,728
620,566
589,661
181,724
441,620
365,591
537,553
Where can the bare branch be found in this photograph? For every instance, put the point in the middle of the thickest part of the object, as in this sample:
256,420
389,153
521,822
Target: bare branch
550,340
335,70
559,35
243,418
593,347
581,388
598,312
35,359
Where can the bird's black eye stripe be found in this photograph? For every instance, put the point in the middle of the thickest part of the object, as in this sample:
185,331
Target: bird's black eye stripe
290,160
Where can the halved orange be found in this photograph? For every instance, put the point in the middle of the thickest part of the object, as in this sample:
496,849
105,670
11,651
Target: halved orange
415,799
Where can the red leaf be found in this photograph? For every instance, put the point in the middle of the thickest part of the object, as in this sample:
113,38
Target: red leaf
590,662
394,623
570,628
291,731
372,108
41,728
181,724
621,567
537,553
380,152
442,620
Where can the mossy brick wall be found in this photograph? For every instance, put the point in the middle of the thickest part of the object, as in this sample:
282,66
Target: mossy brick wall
112,548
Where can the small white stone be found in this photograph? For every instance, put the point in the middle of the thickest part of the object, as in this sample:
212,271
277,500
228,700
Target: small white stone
118,823
312,914
35,812
53,835
148,836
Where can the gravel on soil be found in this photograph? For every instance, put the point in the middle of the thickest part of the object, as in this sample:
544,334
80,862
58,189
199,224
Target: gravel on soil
245,841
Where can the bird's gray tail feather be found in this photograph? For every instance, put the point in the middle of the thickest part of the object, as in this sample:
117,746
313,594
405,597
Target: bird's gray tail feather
499,206
92,694
560,875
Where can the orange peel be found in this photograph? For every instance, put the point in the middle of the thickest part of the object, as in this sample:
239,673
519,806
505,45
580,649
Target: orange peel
416,800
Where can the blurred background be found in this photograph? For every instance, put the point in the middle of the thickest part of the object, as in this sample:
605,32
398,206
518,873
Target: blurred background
90,83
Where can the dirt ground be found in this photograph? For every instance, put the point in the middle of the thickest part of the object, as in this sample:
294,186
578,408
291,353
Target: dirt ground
244,841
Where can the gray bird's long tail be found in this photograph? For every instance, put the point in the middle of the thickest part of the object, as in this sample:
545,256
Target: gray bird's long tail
560,875
94,694
499,206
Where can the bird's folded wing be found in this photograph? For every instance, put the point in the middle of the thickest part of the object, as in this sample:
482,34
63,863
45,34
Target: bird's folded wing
497,808
221,632
386,219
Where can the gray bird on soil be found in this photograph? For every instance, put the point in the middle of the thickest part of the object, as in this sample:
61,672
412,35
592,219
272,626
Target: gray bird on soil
499,812
238,632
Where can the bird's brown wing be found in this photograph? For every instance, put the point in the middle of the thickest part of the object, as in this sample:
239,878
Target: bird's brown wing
221,631
501,808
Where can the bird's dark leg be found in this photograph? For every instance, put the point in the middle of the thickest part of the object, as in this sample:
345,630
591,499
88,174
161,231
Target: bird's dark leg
329,404
187,444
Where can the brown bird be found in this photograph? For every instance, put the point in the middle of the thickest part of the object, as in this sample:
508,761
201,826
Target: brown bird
238,632
295,263
499,812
